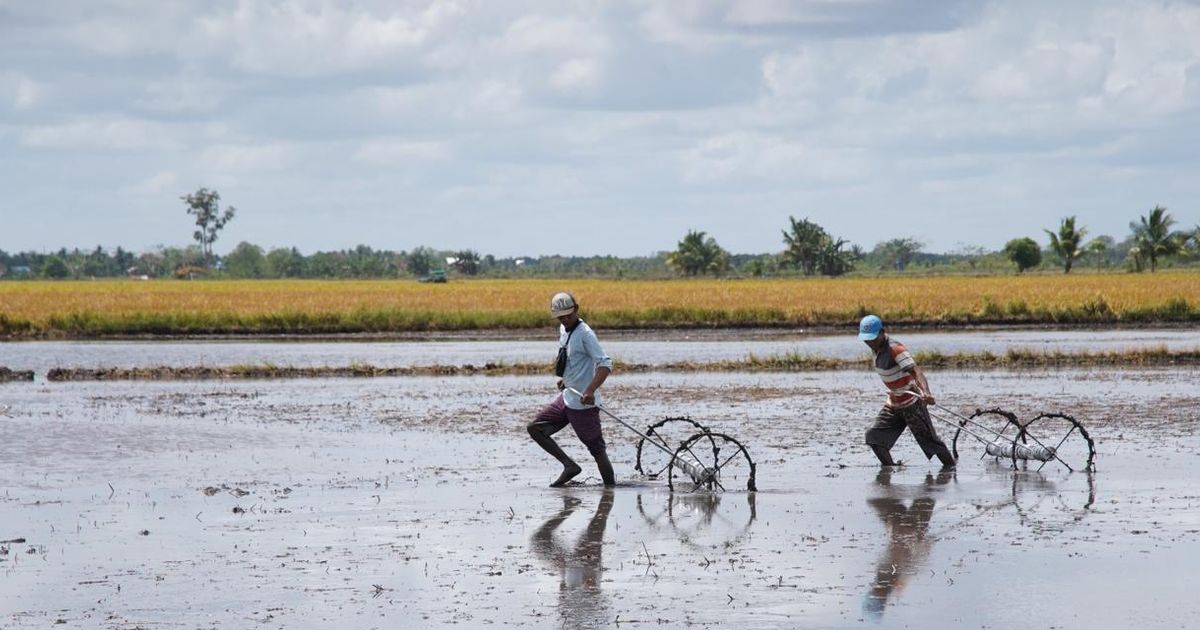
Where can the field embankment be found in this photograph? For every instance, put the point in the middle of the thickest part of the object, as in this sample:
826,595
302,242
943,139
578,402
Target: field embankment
1013,359
93,309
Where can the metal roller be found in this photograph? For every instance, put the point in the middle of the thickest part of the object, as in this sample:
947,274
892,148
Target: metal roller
1000,448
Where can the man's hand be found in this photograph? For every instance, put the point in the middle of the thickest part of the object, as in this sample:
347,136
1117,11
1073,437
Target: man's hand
588,398
928,398
561,385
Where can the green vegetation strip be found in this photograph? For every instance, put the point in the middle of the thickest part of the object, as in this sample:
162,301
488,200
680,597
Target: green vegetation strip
1013,359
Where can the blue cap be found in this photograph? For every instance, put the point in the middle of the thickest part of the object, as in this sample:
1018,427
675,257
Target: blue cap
869,328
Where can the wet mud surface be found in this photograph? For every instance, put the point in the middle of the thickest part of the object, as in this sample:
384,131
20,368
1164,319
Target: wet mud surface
421,503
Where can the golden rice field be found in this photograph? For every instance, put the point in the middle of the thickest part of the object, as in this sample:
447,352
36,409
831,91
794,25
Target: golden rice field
123,307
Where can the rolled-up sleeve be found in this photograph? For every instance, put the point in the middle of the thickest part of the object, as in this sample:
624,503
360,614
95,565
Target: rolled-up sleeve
591,346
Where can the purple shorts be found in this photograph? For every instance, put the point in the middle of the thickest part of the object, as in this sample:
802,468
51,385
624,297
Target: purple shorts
586,422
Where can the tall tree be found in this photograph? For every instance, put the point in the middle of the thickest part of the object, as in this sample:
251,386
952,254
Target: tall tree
812,250
205,205
698,254
421,261
1099,249
55,267
467,262
1153,237
1068,242
283,262
1024,252
898,252
804,240
245,261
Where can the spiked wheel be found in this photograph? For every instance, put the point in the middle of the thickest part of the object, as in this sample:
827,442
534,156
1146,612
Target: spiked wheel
996,424
1064,437
713,462
652,462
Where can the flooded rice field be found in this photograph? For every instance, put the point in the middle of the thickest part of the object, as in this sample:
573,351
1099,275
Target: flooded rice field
422,503
654,348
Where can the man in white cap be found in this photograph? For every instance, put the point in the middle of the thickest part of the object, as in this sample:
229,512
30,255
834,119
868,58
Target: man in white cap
581,367
908,395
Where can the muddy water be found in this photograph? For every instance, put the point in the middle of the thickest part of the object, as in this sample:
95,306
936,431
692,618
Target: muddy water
418,503
657,348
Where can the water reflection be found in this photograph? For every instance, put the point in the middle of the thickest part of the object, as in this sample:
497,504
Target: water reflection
1049,505
909,541
701,519
581,603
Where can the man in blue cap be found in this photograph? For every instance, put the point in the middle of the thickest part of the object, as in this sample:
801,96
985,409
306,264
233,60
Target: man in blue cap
908,397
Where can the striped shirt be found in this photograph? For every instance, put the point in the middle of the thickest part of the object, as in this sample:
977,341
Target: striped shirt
897,369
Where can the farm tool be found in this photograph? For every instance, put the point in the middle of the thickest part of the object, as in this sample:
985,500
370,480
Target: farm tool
706,460
1049,437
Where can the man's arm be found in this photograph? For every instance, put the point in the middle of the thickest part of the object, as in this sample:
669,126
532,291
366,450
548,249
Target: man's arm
589,394
593,350
926,394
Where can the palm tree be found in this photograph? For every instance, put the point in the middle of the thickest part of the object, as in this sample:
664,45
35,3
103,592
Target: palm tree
1153,237
1068,242
698,255
812,250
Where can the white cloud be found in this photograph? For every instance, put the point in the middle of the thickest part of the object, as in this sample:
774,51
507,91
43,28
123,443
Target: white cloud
577,75
800,73
755,156
26,93
539,34
116,134
389,152
157,184
689,105
318,38
240,159
183,95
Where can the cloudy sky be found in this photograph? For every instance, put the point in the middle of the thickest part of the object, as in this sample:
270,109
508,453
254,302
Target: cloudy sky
588,127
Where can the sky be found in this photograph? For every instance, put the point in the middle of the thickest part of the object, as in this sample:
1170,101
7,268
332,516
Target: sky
522,127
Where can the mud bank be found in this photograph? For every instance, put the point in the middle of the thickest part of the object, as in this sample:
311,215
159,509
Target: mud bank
1013,359
7,375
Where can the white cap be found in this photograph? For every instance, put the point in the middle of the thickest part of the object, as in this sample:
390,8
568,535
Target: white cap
562,304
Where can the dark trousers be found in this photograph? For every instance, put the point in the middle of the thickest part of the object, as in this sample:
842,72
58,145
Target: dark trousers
892,421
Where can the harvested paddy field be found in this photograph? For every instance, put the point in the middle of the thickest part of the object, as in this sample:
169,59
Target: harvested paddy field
419,502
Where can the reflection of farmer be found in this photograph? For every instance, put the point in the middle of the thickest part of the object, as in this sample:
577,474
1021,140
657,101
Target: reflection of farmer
908,543
580,602
908,394
582,366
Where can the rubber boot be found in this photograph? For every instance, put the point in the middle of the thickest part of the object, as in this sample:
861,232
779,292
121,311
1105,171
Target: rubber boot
884,455
570,468
948,463
606,469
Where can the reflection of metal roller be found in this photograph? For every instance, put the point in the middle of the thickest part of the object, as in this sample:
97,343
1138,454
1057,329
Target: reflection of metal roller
1001,448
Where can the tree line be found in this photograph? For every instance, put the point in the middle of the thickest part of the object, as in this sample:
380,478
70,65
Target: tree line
808,250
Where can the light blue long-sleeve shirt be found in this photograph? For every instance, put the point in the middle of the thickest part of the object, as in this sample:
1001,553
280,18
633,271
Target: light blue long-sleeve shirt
584,355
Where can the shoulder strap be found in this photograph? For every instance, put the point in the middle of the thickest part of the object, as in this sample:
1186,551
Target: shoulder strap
572,332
